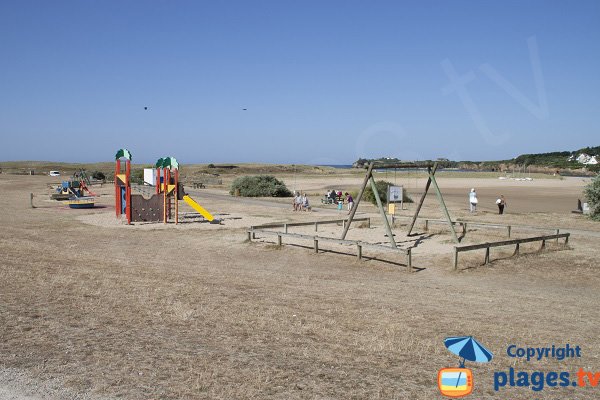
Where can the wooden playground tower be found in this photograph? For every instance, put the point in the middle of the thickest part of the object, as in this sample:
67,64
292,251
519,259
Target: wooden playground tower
123,185
163,205
167,183
431,169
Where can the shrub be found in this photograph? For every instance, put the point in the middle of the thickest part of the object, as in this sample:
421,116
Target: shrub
99,175
382,188
259,186
211,165
592,194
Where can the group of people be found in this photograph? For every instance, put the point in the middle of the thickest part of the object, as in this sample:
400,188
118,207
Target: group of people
336,197
333,196
301,202
500,202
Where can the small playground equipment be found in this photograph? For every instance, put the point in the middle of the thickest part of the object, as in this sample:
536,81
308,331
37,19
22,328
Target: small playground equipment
163,205
75,192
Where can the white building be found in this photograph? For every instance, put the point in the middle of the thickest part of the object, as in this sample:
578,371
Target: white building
583,158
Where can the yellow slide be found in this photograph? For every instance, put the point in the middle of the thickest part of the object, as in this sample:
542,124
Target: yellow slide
198,208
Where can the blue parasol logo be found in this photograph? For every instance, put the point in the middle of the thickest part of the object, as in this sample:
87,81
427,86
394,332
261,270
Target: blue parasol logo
469,349
458,382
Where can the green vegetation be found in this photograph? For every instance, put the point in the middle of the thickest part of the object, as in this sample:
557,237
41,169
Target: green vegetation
382,189
259,186
99,175
137,176
592,194
553,160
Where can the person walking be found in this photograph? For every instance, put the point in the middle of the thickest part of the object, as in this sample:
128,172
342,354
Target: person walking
501,202
473,200
350,201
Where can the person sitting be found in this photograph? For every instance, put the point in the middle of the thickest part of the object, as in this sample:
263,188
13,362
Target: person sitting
305,203
332,196
298,202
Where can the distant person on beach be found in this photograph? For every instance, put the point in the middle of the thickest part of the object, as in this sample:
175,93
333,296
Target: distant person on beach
501,202
473,200
350,201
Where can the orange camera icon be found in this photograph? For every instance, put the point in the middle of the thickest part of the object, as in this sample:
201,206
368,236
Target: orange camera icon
455,382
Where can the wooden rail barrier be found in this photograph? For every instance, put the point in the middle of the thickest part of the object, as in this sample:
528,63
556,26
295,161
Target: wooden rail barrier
286,225
465,224
252,232
516,242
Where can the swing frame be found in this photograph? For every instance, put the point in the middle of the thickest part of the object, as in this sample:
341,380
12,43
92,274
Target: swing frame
431,169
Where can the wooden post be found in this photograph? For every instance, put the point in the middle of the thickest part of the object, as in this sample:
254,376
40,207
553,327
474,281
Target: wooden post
316,245
567,239
516,253
250,236
357,200
420,204
508,229
359,251
382,212
369,222
316,226
557,232
278,240
543,244
409,259
426,225
487,256
285,228
176,199
455,258
31,200
443,204
464,225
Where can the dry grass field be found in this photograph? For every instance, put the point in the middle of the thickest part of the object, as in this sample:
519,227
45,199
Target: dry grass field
92,308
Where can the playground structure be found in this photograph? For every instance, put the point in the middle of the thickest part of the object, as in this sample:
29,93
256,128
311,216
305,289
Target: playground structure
163,205
75,187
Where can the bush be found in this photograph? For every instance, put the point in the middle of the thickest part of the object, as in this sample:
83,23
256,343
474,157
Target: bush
259,186
592,194
99,175
382,188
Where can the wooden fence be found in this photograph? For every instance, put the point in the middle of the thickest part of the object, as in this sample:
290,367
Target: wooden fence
286,225
254,231
465,224
516,242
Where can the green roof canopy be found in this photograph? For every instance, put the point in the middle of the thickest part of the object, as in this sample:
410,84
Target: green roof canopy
170,162
123,153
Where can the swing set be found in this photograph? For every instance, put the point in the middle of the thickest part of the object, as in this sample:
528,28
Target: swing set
369,179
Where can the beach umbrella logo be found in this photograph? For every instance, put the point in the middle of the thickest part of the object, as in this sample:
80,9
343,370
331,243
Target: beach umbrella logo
458,382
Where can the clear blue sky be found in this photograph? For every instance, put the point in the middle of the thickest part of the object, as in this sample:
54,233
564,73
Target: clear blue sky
322,81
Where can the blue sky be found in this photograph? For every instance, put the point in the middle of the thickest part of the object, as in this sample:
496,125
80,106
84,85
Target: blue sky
322,81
